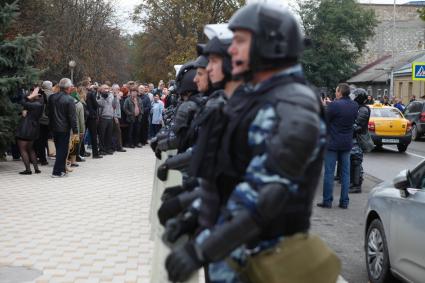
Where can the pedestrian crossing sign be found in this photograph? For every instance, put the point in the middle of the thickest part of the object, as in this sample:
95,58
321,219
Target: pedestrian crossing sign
418,71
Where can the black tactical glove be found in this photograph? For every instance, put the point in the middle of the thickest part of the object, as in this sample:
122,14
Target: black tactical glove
169,209
163,145
158,154
172,192
162,172
154,143
182,263
177,227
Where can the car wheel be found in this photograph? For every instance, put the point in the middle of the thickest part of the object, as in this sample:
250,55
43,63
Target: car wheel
415,135
377,260
402,147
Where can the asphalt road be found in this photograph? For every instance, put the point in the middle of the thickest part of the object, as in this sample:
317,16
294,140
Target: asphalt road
343,230
385,164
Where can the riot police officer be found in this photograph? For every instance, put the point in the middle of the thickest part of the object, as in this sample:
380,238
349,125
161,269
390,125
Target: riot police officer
271,152
359,95
175,138
207,128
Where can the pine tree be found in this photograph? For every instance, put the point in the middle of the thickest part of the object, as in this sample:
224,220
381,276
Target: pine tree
16,55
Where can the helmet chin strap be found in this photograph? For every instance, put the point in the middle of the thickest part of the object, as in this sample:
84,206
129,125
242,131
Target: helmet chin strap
218,85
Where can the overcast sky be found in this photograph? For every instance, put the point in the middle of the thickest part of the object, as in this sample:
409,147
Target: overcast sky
126,7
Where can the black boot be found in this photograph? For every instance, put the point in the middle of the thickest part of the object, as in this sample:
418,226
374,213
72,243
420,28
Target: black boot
357,179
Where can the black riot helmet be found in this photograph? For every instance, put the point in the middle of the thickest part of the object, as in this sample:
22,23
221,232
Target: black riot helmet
359,95
277,39
219,47
201,62
184,79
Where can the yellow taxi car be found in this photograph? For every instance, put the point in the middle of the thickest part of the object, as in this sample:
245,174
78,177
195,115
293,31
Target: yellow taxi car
388,126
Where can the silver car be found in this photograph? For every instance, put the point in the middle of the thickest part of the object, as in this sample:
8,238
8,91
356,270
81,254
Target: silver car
395,228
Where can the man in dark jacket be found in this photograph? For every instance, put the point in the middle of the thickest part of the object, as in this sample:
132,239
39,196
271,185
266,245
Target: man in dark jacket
133,108
92,107
146,102
341,115
63,118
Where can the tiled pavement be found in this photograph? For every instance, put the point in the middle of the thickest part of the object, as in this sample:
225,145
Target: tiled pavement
92,226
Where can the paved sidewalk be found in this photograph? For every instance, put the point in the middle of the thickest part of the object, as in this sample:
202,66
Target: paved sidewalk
92,226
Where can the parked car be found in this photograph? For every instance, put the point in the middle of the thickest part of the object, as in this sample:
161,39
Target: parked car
388,126
415,113
395,229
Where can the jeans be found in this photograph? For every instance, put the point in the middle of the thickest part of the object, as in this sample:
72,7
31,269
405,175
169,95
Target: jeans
105,133
156,128
92,127
331,158
61,143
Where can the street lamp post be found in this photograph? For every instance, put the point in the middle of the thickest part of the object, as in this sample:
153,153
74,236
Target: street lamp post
72,65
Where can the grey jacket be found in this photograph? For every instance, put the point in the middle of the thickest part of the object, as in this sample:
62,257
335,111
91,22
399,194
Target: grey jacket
106,106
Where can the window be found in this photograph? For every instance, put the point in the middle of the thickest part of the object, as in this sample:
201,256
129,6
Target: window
413,107
385,113
410,90
400,90
417,176
417,107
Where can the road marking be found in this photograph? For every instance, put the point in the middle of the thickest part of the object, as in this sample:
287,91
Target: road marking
410,153
417,155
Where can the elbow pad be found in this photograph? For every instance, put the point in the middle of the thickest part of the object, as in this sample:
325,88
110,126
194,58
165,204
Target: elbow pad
295,139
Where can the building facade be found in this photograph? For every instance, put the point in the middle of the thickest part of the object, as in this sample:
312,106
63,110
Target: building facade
409,32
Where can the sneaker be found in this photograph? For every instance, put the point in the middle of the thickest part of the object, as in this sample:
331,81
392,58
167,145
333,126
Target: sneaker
343,206
74,165
97,156
87,154
44,163
121,150
62,174
36,171
26,172
324,205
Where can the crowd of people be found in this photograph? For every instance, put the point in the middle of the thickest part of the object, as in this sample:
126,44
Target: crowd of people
102,119
385,100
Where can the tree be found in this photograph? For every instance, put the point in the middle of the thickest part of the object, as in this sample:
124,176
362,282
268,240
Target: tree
338,31
16,55
171,30
421,13
82,30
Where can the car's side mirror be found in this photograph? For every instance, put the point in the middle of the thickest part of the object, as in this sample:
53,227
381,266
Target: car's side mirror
402,182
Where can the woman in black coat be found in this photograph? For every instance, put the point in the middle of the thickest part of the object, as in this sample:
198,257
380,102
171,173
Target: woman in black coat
29,129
